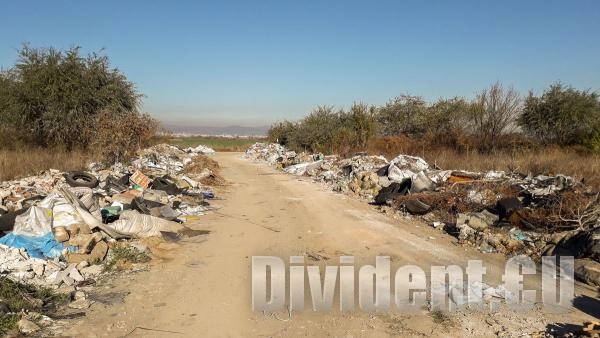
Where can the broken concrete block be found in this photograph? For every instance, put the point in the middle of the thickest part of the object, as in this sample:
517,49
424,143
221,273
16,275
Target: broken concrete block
82,264
92,271
38,269
97,255
26,326
59,277
140,179
465,231
76,275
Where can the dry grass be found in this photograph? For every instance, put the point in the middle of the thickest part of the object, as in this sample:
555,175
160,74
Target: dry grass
574,162
200,163
29,161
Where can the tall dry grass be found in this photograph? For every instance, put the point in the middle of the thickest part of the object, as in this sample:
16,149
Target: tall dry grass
27,161
576,162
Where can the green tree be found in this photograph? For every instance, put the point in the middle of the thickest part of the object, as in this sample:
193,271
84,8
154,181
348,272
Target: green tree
445,115
360,119
315,132
401,116
282,132
563,115
53,97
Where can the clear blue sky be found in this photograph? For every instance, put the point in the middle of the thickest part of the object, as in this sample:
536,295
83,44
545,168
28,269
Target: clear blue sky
248,62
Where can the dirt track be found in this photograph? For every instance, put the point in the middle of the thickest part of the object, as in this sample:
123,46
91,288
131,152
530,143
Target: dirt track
202,286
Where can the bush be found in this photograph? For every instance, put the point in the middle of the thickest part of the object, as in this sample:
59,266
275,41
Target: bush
444,122
119,135
402,115
494,113
57,98
281,132
563,116
328,131
361,124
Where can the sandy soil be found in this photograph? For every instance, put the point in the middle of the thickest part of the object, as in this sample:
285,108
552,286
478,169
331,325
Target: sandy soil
201,287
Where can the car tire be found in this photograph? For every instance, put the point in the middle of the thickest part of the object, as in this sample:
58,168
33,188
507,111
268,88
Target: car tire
81,179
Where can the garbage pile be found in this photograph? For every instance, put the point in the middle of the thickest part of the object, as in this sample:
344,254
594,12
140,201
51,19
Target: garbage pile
495,211
342,175
58,227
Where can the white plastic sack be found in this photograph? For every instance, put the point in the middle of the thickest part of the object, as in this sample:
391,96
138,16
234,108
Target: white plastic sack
491,175
201,149
301,168
439,176
413,163
134,224
398,175
420,182
35,222
64,214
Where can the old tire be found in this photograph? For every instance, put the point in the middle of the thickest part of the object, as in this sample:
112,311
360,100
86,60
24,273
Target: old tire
81,179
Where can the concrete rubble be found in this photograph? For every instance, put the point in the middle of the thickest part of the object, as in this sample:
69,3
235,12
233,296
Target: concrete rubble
58,227
495,211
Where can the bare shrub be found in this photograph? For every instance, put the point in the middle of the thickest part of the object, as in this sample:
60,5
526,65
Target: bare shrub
118,135
494,113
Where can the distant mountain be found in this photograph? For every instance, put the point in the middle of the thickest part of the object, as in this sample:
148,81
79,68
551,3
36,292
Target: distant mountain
210,130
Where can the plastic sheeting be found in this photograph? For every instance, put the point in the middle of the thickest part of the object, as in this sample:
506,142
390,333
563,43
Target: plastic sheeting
37,221
38,247
134,224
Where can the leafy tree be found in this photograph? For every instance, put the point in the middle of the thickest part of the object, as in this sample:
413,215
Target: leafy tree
359,121
563,115
401,116
445,115
315,132
281,132
53,97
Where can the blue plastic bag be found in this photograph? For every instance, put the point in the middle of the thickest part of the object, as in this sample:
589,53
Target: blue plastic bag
38,247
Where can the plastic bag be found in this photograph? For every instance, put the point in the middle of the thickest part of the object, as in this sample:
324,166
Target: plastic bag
134,224
36,246
37,221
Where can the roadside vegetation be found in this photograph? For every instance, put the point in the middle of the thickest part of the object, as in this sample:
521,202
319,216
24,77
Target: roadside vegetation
555,132
122,257
27,160
62,100
16,297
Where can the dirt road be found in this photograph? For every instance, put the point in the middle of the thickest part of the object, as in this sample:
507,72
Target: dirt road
201,287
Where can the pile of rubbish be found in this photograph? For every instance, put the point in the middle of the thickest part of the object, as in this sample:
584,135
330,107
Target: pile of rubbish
496,211
57,228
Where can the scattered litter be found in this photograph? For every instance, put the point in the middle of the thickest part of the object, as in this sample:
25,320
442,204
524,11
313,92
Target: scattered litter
57,226
495,211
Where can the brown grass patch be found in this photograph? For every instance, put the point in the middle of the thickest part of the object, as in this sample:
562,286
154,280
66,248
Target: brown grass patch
28,161
201,162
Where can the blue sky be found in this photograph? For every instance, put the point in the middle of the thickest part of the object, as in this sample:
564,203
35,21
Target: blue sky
253,62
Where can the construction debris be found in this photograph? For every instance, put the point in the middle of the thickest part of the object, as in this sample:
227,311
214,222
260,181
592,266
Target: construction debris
58,228
496,211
